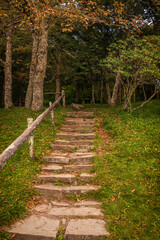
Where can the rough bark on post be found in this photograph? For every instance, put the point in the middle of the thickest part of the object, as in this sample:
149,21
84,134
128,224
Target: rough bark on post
29,94
37,102
63,98
31,140
8,71
52,114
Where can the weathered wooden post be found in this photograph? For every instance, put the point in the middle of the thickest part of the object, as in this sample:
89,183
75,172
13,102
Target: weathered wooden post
63,98
31,140
52,114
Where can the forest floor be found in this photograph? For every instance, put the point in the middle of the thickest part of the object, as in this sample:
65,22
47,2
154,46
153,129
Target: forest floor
126,166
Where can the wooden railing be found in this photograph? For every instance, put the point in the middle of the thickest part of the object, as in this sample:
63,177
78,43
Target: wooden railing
10,151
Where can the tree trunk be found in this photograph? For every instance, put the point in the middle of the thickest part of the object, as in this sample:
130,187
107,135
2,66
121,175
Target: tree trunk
115,90
93,89
101,92
8,71
144,92
119,96
107,88
58,79
77,92
37,102
29,94
134,96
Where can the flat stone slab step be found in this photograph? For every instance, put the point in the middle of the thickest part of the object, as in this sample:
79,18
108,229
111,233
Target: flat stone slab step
75,142
64,211
79,158
53,168
65,147
35,228
79,126
67,178
76,135
57,159
80,114
89,229
75,204
80,120
64,178
78,130
60,191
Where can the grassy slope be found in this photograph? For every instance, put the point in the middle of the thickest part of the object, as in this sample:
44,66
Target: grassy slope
19,174
128,171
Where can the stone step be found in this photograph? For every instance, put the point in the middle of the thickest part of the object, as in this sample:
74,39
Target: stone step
78,130
63,178
35,228
79,126
54,168
65,147
81,158
80,120
75,204
80,114
78,158
61,191
63,211
75,142
57,159
76,135
91,229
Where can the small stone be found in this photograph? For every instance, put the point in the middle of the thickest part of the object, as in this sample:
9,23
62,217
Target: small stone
35,228
89,229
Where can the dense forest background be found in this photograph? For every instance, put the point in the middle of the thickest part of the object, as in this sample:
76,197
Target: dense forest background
97,51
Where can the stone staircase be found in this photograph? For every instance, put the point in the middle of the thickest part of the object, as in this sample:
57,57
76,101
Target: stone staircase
67,174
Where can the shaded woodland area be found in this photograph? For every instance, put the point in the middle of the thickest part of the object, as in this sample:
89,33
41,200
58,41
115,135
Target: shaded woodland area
97,51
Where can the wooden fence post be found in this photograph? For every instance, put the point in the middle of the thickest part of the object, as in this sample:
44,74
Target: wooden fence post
63,99
31,140
52,114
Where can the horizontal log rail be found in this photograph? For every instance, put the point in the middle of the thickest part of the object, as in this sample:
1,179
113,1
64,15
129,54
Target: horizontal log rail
10,151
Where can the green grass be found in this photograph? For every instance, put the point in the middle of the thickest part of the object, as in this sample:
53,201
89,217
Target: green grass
129,171
19,175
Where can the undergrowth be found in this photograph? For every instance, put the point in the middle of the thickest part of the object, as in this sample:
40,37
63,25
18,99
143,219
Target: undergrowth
129,171
19,174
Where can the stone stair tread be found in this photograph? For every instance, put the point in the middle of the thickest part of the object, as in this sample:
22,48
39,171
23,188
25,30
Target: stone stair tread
68,210
76,142
76,136
80,203
70,147
57,159
78,167
62,177
59,191
52,167
35,227
80,229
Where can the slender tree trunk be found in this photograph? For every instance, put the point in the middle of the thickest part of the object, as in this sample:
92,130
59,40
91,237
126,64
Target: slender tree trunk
107,87
134,96
8,71
58,79
119,96
29,94
144,92
37,102
115,90
101,92
77,92
93,91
